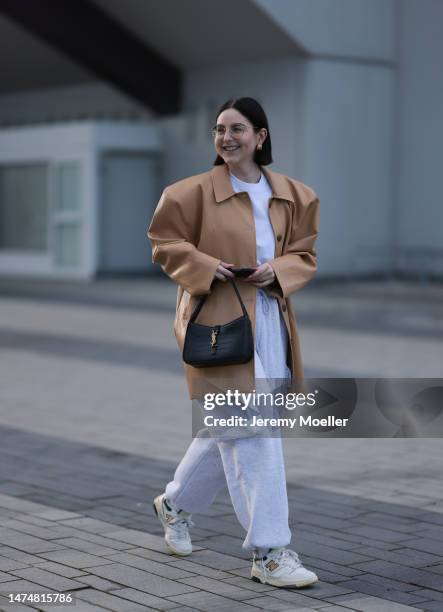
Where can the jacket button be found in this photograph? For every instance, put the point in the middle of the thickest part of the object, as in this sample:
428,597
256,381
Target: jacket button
279,237
283,307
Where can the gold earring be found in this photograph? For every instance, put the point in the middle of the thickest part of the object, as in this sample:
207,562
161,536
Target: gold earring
259,147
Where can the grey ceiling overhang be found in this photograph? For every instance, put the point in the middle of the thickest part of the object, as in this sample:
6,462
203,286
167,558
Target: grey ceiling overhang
87,34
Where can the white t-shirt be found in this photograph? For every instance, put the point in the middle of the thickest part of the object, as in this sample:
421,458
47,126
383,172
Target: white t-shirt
271,338
259,194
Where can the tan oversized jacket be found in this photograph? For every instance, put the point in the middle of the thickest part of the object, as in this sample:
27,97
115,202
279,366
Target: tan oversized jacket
200,221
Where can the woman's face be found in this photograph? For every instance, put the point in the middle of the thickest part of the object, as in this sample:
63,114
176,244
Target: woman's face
235,139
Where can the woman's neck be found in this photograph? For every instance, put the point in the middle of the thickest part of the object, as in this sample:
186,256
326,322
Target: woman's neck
248,173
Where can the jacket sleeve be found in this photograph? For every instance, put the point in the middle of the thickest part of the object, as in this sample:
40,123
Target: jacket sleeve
299,263
173,234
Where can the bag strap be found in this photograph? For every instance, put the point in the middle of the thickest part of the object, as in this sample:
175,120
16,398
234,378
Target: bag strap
202,300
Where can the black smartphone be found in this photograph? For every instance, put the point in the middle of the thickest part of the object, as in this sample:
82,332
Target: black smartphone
242,272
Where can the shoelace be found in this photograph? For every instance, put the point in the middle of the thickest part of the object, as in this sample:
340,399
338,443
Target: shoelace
181,524
291,553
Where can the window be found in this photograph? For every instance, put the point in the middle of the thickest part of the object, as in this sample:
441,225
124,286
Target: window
24,206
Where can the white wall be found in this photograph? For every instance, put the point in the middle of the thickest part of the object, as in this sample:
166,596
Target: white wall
419,140
85,143
348,160
68,103
277,84
331,126
348,28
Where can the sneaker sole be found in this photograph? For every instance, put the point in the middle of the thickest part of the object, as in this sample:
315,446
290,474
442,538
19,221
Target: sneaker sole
280,583
170,548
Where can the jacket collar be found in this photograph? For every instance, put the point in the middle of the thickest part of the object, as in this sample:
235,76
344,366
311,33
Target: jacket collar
223,188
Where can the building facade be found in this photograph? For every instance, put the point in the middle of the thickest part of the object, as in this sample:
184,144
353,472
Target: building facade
353,91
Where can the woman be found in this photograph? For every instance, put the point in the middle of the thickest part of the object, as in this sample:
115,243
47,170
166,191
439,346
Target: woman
239,214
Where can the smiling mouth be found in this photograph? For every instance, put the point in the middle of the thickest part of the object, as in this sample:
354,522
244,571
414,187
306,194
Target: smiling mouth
232,148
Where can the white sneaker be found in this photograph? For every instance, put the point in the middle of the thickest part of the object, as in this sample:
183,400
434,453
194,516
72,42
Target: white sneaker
281,567
176,524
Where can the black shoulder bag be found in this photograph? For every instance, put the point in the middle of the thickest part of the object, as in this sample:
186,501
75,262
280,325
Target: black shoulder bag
218,345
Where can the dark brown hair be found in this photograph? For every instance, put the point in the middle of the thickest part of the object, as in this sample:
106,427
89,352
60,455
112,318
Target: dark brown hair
253,111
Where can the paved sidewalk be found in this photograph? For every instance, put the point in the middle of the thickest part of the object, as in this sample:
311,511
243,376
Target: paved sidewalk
94,417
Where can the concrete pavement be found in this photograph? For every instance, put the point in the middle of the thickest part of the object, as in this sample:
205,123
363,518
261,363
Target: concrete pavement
94,416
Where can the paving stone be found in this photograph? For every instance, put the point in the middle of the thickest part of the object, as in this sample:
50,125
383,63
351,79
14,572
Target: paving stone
20,504
386,582
24,527
199,569
161,569
6,606
99,583
333,609
386,521
219,526
5,513
19,555
61,483
92,537
379,590
201,534
377,533
147,553
220,587
335,555
328,522
424,544
243,572
361,541
88,547
109,601
342,570
145,599
22,586
305,597
140,539
226,545
436,569
15,489
409,575
116,511
372,604
141,580
402,556
9,564
4,577
429,594
58,568
75,558
28,543
327,540
48,579
326,576
247,583
431,606
184,609
217,560
206,602
89,524
26,518
429,531
272,603
54,514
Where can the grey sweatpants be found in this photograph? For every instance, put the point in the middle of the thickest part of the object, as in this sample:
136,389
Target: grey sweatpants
252,467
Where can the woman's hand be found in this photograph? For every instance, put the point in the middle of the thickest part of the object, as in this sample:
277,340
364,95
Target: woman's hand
222,271
264,275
